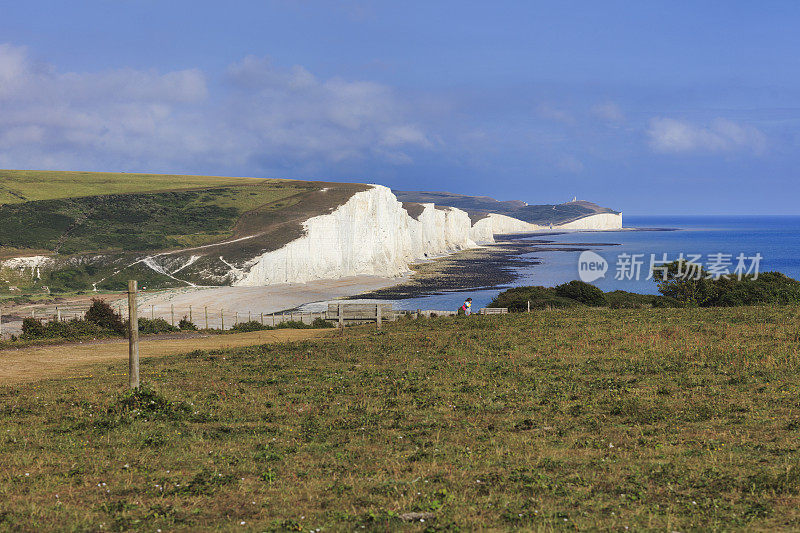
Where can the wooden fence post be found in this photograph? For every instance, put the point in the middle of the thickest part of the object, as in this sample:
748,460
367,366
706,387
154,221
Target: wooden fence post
378,315
273,320
236,318
190,314
262,319
1,323
341,317
133,337
152,312
58,314
172,312
249,316
205,312
222,320
529,306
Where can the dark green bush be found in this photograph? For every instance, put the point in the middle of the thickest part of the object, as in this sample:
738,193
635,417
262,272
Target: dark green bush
253,325
103,315
768,288
630,300
148,326
293,324
582,292
702,290
322,323
34,328
186,325
516,299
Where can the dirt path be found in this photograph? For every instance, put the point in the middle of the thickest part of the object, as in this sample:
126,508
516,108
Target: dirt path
48,362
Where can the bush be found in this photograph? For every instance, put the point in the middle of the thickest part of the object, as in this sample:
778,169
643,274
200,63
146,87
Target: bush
631,300
293,324
322,323
582,292
103,315
33,328
768,288
149,326
517,299
253,325
186,325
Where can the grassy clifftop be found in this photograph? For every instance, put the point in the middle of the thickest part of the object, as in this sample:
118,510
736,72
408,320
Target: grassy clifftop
17,186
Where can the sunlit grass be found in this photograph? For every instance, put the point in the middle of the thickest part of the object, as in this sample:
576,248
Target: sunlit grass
18,186
668,419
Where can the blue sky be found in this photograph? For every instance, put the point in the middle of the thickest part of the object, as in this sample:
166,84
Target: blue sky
647,107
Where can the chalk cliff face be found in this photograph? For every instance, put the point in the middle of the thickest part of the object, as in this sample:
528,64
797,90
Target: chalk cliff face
601,221
372,234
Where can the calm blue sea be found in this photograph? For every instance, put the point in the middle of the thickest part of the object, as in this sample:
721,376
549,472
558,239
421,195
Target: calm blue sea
776,238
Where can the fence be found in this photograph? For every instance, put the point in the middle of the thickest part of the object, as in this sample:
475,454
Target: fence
203,317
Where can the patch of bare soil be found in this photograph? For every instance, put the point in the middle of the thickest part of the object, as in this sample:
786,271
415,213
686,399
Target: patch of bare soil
70,361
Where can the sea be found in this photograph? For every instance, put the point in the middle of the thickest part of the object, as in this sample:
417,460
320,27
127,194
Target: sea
723,243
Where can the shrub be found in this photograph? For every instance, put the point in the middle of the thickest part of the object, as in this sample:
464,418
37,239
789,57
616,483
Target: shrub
582,292
186,325
33,328
149,326
253,325
103,315
630,300
516,299
293,324
322,323
768,288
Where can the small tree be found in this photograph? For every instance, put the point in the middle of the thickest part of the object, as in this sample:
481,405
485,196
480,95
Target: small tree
104,316
686,282
186,325
582,292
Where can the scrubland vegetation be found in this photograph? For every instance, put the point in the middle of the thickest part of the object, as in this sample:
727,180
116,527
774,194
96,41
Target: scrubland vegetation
768,288
669,419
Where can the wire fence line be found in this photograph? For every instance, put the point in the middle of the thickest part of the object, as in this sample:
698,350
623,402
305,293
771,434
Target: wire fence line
204,317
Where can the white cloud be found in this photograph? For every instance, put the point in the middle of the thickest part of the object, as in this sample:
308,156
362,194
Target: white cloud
264,118
676,136
608,111
552,113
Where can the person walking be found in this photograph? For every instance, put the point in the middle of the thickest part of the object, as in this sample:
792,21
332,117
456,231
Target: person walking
465,309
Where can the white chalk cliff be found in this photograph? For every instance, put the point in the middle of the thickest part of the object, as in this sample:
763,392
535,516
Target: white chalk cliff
372,234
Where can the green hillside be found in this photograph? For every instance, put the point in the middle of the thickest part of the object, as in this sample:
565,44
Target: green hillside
17,186
97,227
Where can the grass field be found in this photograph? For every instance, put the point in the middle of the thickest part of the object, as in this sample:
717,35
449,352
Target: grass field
17,186
662,419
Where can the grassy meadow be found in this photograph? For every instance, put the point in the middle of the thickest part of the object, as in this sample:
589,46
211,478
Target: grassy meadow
610,419
18,186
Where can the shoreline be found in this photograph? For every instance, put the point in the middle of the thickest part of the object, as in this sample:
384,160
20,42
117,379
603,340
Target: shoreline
487,267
